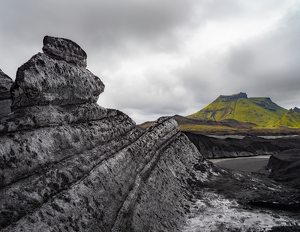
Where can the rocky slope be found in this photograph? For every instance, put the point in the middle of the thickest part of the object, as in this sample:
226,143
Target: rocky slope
68,164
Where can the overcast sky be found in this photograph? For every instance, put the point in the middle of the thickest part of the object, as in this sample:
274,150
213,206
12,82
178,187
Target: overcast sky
166,57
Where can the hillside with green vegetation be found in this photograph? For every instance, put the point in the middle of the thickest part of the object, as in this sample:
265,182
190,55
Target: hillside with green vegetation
290,119
258,110
238,114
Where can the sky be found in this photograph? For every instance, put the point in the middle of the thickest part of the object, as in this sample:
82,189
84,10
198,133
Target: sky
166,57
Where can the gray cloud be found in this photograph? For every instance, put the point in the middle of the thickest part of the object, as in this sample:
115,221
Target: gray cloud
269,64
105,26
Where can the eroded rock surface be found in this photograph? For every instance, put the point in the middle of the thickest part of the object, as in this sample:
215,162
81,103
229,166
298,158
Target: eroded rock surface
211,147
67,164
5,97
48,79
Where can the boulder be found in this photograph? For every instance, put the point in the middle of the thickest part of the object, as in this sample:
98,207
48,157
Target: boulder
64,49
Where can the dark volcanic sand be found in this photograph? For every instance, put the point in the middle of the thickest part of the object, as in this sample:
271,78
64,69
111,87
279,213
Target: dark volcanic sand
256,164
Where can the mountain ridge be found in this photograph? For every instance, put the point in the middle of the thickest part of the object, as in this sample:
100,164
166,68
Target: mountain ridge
261,111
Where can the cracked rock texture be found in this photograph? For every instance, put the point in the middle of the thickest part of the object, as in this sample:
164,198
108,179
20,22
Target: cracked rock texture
5,97
52,78
67,164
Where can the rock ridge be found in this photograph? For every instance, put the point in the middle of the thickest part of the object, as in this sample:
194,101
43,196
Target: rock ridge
50,80
57,143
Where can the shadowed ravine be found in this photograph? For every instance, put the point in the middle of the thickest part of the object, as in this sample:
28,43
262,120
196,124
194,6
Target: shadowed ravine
68,164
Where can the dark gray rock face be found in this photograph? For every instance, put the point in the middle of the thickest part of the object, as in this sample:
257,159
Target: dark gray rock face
68,164
5,97
212,148
47,79
64,49
81,167
5,84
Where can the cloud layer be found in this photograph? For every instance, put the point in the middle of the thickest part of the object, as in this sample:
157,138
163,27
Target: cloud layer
166,57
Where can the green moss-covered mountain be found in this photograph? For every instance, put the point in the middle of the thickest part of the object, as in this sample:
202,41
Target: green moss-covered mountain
259,110
290,119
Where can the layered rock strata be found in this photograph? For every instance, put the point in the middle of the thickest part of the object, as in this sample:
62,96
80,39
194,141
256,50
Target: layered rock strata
55,77
5,97
68,164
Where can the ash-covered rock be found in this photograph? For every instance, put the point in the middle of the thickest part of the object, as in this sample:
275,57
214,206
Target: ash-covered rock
69,164
5,97
54,80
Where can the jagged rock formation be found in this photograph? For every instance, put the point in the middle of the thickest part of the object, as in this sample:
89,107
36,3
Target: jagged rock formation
68,164
55,77
211,147
5,97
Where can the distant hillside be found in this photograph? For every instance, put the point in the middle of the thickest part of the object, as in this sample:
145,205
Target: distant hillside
290,119
238,114
258,110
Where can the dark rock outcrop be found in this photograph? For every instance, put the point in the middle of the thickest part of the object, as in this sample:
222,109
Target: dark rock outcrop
54,78
285,167
5,97
211,147
68,164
